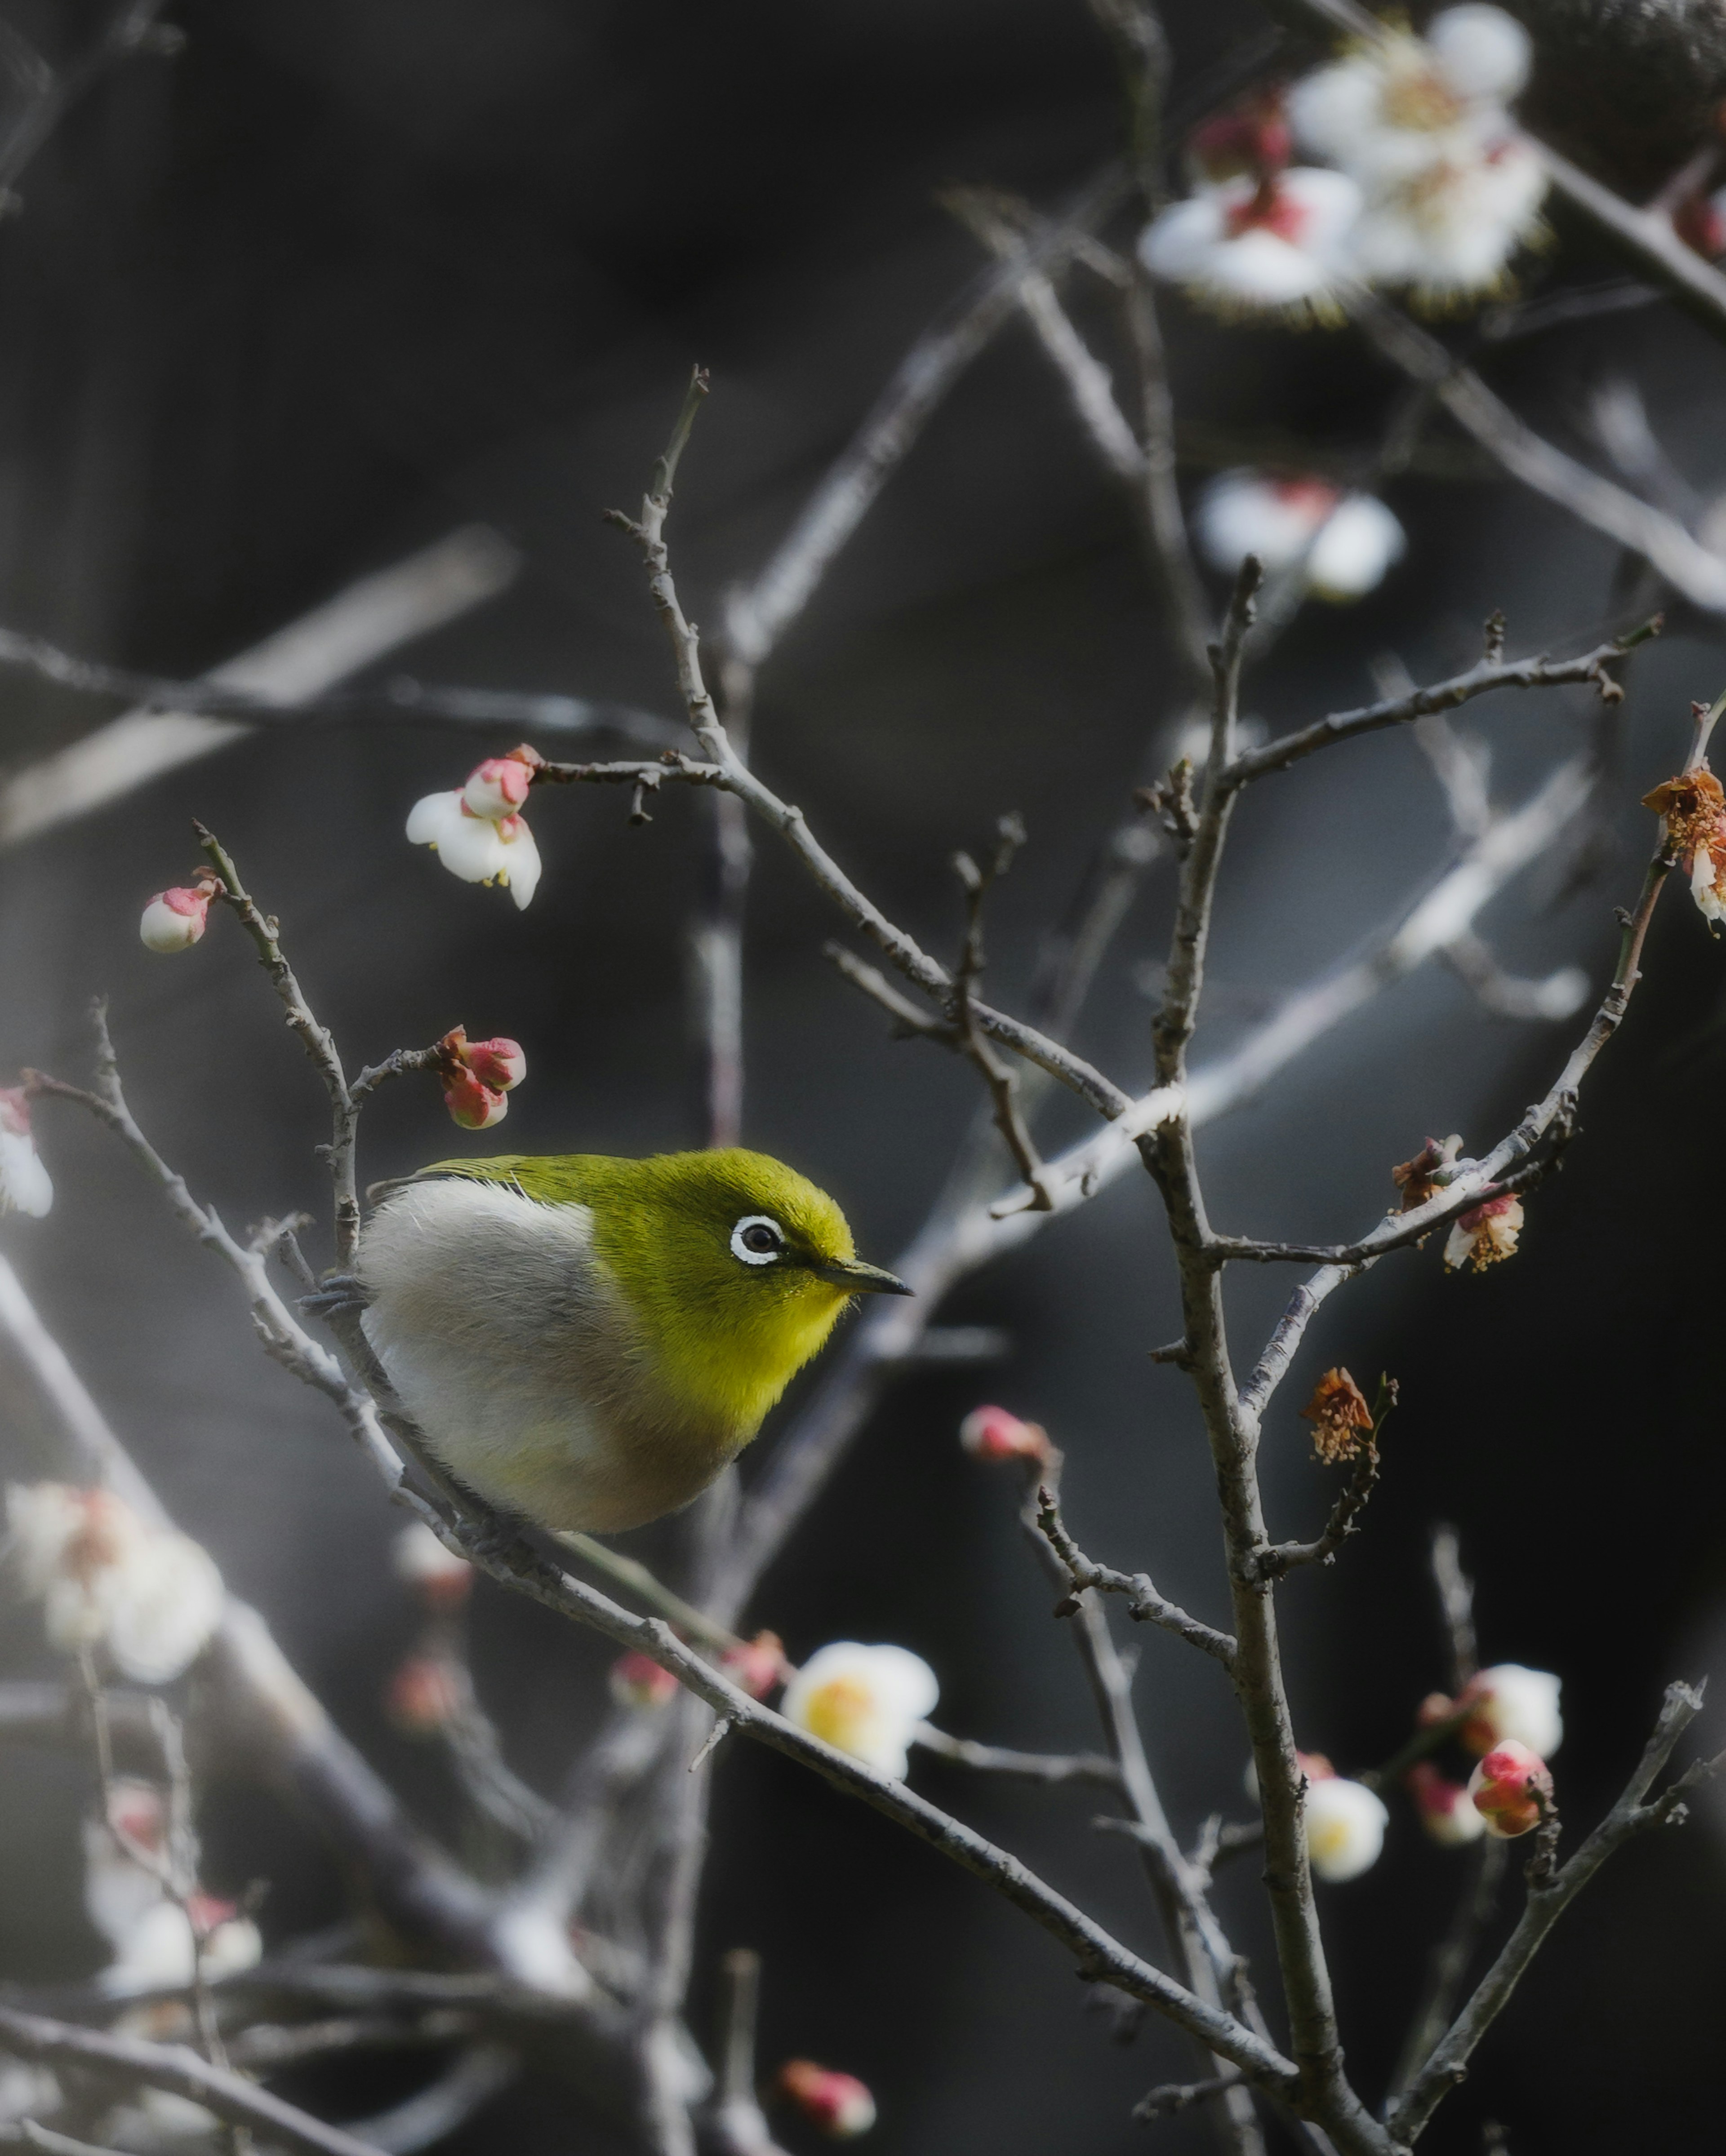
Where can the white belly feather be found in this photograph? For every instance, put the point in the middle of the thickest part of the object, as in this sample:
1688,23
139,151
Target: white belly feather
511,1350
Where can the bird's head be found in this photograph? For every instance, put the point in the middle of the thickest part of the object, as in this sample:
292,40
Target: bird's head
735,1266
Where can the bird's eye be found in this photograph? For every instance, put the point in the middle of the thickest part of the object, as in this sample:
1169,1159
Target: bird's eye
757,1240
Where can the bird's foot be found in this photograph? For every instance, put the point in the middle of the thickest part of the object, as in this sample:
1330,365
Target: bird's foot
336,1291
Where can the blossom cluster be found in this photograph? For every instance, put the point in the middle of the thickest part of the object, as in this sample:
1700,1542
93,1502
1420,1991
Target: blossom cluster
1426,186
479,832
1508,1716
160,1930
110,1581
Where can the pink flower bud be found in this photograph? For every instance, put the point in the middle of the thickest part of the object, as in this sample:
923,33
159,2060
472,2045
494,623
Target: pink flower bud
175,919
756,1666
1509,1787
639,1680
997,1434
497,788
838,2103
1444,1806
499,1064
208,1912
474,1107
425,1695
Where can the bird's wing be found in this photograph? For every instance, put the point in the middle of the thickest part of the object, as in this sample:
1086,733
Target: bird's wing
501,1168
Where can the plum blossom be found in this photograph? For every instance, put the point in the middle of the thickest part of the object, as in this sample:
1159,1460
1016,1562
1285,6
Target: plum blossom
426,1693
1509,1703
1447,232
1450,187
478,833
1484,1235
175,919
989,1433
1445,1809
838,2104
1343,543
475,1075
1390,110
169,1943
638,1680
25,1185
1511,1788
1339,1412
1344,1821
473,1106
157,1937
1694,806
441,1579
1252,137
1273,244
1700,222
865,1701
105,1577
758,1665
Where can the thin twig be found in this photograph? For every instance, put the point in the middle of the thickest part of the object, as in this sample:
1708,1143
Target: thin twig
1143,1602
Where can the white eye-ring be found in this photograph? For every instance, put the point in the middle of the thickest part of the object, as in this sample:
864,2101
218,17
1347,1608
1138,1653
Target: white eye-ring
757,1240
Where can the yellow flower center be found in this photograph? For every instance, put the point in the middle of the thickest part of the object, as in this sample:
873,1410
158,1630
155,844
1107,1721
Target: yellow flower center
840,1712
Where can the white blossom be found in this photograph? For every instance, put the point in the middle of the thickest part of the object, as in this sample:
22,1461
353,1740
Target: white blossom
158,1953
25,1185
1349,540
150,1595
123,1860
1389,110
1451,189
1275,244
1509,1704
865,1701
1345,1824
1449,230
477,848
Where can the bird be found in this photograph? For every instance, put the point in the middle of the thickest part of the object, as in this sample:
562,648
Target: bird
585,1341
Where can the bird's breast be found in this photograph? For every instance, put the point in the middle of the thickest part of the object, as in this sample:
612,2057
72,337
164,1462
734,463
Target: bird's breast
510,1346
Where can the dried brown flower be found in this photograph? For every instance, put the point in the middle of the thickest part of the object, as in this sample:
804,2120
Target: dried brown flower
1417,1179
1339,1412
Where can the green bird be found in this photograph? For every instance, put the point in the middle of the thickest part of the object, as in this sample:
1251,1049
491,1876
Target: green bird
587,1342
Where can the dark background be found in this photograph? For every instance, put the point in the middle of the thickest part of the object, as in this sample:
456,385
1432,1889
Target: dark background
342,275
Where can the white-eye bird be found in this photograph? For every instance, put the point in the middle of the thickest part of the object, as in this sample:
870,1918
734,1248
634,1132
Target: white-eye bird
586,1341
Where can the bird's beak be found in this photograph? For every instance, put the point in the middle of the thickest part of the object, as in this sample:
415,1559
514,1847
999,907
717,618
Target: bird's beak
860,1279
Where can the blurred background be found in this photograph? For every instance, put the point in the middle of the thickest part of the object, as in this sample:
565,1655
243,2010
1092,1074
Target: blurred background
341,276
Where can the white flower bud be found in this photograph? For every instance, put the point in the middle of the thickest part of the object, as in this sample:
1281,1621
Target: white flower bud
1346,541
1514,1705
1345,1824
25,1185
175,919
865,1701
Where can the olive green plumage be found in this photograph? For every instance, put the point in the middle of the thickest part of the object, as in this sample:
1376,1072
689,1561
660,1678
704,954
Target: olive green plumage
589,1341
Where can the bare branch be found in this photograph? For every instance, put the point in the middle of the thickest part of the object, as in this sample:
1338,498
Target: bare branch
758,616
359,625
130,2060
1480,679
1456,1603
1143,1602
